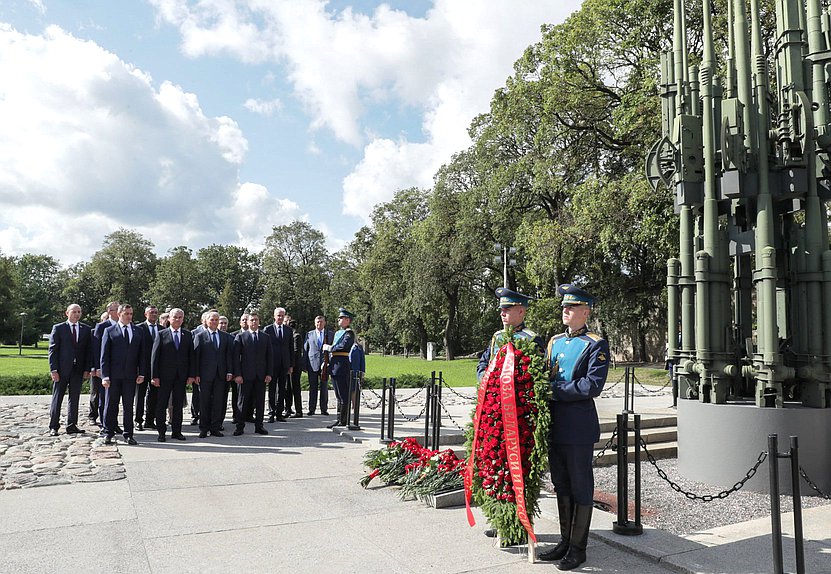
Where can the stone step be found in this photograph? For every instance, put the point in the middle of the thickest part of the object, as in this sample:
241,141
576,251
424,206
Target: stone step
646,422
649,436
657,450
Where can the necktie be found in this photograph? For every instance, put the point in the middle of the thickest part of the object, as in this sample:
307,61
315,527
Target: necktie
255,337
320,339
152,331
127,334
280,332
176,339
74,334
216,339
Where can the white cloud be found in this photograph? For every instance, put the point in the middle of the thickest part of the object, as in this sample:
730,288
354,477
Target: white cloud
444,65
263,107
88,145
39,5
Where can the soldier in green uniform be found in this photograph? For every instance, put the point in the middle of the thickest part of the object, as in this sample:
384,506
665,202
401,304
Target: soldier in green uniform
512,309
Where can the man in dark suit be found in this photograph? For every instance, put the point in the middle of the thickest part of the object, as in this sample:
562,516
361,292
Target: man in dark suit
253,365
122,368
313,358
172,367
578,363
70,362
150,327
96,392
281,342
214,369
195,401
294,393
233,386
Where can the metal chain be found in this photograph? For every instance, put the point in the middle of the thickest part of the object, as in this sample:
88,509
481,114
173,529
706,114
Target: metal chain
641,385
812,484
452,420
366,404
411,397
408,418
609,443
613,385
471,400
706,497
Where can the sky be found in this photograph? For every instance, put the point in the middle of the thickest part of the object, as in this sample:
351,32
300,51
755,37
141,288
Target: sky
210,121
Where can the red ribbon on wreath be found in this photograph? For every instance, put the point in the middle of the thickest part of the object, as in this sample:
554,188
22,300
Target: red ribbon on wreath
511,430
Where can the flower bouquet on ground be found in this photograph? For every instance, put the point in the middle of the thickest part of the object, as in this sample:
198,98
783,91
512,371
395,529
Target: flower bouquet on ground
508,440
418,470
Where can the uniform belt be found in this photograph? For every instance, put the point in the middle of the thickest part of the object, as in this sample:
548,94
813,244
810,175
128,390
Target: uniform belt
340,354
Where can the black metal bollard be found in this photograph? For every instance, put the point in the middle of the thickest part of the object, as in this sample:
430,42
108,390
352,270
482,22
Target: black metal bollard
355,402
384,439
623,525
775,509
435,407
430,386
391,413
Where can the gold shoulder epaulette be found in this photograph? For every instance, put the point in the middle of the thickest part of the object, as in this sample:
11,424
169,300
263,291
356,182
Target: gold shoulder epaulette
594,336
558,336
531,333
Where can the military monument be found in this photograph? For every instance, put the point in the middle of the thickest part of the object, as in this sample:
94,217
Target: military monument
745,148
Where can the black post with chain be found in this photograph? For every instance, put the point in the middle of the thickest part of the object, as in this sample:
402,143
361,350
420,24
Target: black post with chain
623,525
775,510
431,386
384,438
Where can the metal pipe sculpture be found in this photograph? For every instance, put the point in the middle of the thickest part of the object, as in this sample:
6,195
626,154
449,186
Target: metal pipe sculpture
750,292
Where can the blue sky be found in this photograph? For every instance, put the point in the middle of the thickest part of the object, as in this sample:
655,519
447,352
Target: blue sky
210,121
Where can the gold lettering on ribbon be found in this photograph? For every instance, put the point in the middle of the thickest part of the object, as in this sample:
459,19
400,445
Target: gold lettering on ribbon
512,447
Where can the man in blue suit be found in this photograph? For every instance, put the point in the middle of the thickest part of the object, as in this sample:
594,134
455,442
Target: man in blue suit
313,359
122,368
253,366
172,368
96,392
150,327
339,362
214,369
70,362
279,401
578,362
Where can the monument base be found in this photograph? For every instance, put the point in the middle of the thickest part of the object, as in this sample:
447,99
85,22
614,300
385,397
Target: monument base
717,444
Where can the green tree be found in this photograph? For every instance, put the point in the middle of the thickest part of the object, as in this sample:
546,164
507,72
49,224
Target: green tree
9,318
230,276
295,274
39,294
177,285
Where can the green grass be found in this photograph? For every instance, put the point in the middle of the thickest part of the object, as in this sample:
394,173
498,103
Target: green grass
28,351
27,365
458,373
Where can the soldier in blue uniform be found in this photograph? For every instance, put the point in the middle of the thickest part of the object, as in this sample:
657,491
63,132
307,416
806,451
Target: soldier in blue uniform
339,363
578,362
512,308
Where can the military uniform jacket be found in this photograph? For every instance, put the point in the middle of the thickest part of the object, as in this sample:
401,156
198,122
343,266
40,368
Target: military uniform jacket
520,332
339,354
578,363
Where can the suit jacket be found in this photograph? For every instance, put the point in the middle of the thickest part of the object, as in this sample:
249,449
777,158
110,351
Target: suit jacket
282,348
312,352
169,363
121,359
97,337
65,354
148,346
253,361
213,363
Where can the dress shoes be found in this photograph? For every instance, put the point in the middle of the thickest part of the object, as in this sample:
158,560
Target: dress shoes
297,416
92,421
53,432
139,427
238,432
217,433
333,425
118,430
178,436
73,429
324,413
131,441
288,413
161,438
108,440
279,419
203,434
260,431
310,413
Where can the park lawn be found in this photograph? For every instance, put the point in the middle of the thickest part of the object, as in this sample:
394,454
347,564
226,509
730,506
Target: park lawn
28,351
27,365
458,373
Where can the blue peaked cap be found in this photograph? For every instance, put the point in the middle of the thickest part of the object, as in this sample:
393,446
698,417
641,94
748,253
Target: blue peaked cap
509,298
574,295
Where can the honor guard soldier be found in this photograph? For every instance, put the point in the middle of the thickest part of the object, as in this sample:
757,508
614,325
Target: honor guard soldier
578,362
339,363
512,308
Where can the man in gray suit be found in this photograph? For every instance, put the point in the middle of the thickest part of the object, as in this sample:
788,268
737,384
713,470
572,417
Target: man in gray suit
313,361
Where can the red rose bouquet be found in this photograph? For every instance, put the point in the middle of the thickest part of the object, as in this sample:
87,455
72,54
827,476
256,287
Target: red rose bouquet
508,440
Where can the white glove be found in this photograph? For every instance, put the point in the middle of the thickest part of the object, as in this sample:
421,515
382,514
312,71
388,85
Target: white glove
327,347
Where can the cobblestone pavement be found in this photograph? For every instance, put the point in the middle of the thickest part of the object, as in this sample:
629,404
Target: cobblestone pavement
30,457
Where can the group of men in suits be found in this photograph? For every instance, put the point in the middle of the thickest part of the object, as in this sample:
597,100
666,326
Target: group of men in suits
143,370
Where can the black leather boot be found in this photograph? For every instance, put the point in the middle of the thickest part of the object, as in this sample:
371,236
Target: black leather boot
337,419
576,554
565,508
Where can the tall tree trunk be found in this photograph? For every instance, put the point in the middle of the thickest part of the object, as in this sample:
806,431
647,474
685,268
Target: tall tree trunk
422,338
450,324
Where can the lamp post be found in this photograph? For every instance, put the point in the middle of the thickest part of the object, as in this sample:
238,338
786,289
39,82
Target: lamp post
20,341
505,259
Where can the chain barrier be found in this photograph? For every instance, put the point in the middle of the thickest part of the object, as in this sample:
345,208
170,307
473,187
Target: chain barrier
812,484
452,420
409,418
616,383
470,400
609,443
411,397
641,385
706,497
366,404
